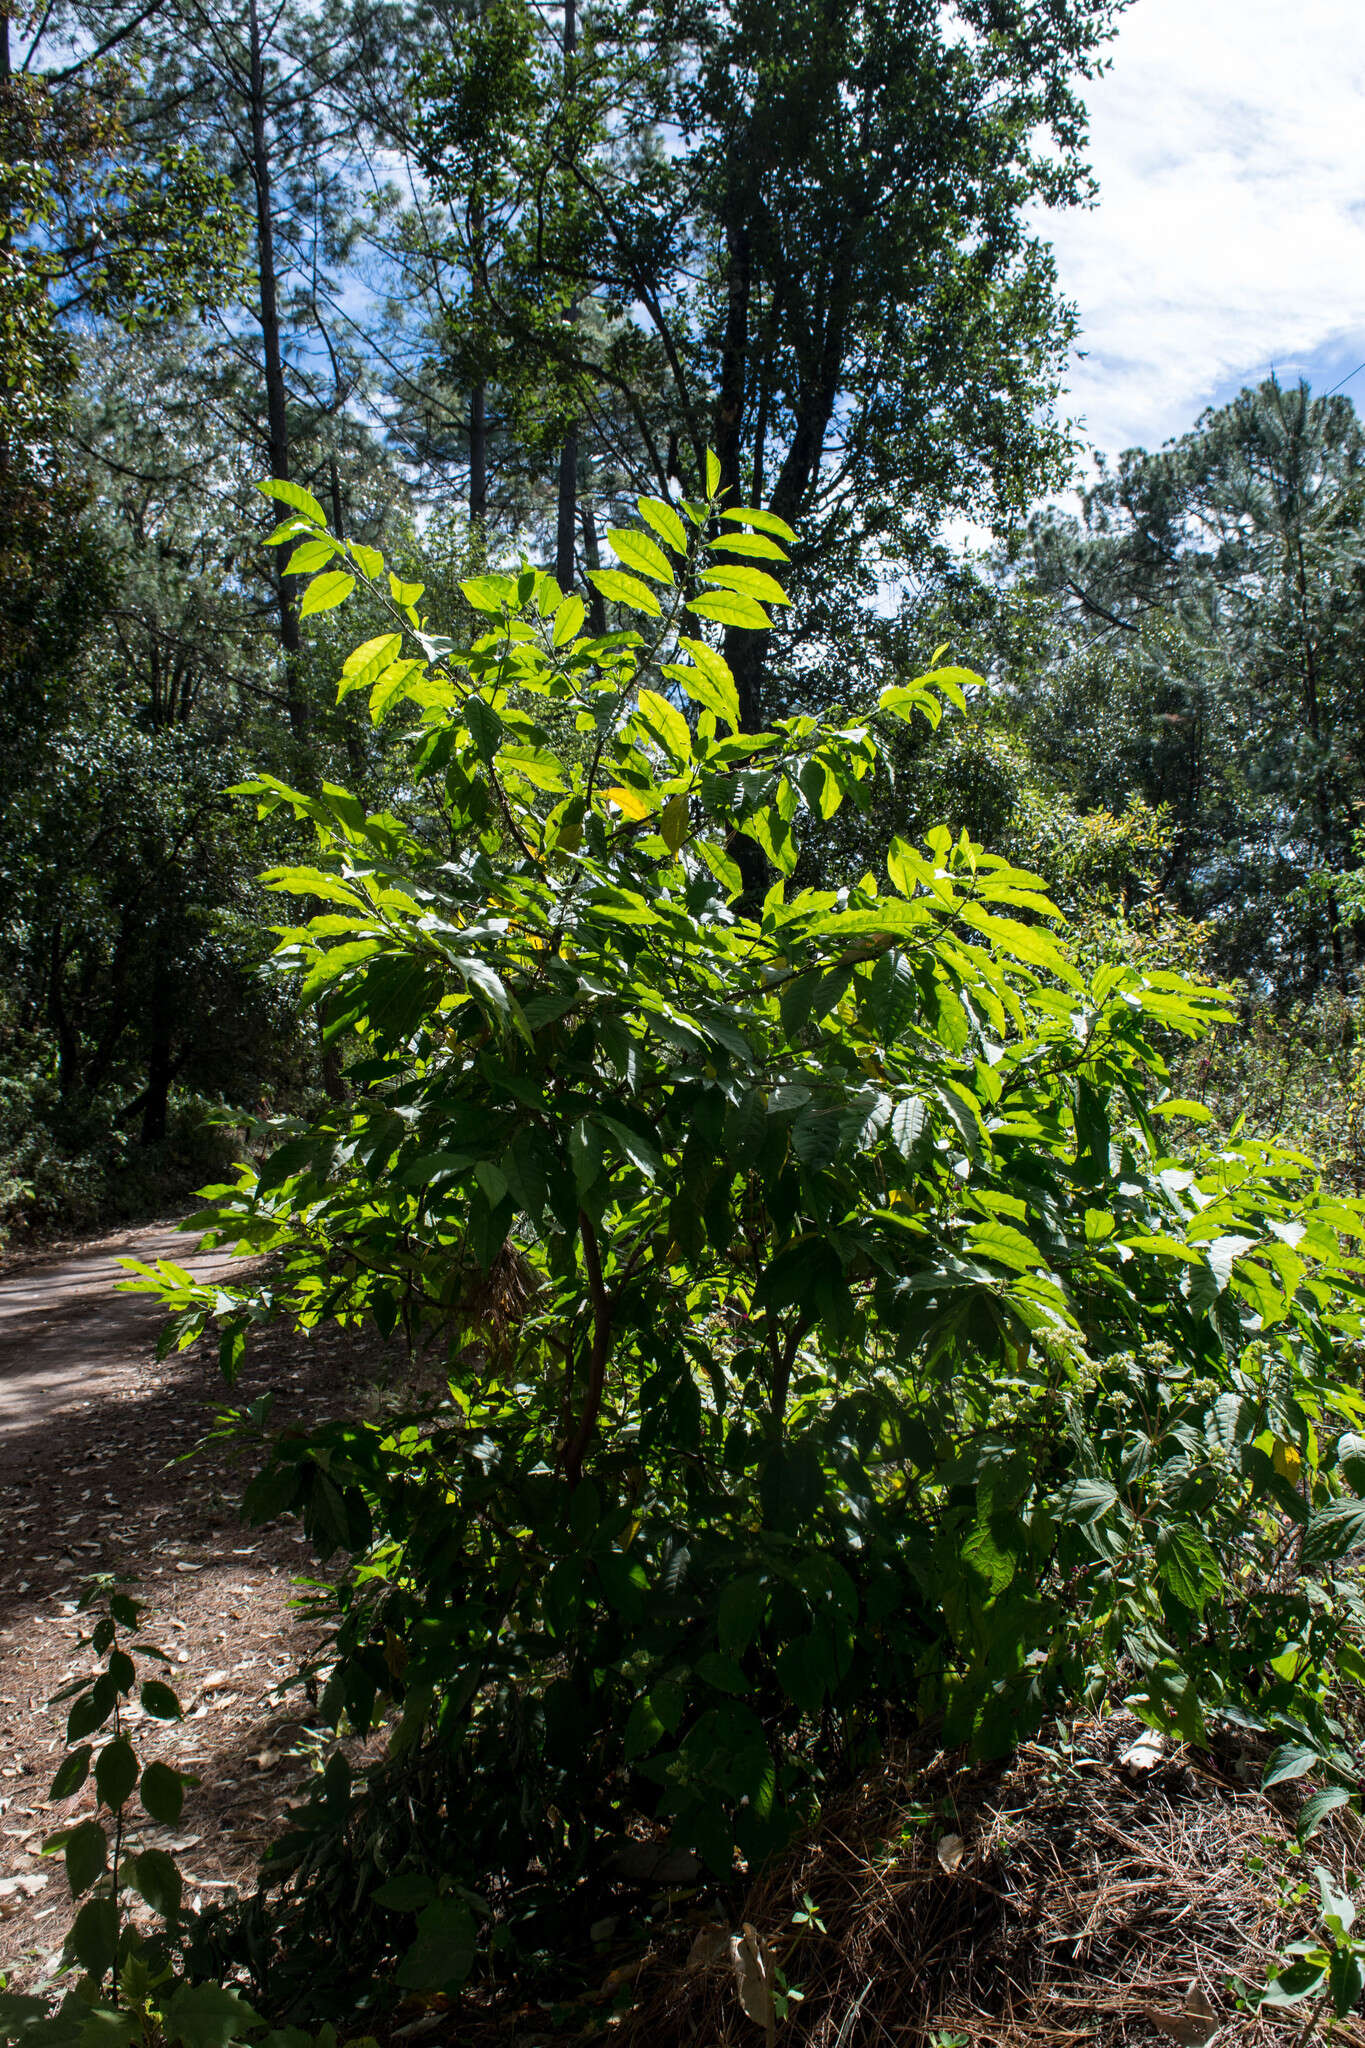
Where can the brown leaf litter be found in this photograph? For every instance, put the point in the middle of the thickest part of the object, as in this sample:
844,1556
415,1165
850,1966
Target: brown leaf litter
1063,1897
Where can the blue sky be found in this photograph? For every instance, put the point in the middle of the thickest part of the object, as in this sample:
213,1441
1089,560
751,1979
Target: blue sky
1229,141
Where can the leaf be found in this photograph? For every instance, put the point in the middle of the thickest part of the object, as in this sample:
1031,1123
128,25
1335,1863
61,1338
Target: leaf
632,803
753,1968
908,1120
569,619
326,592
739,1611
640,553
293,494
159,1701
673,825
748,582
491,595
1351,1459
163,1793
1186,1564
712,473
754,544
157,1879
106,2029
950,1850
637,1150
766,522
390,685
92,1709
1333,1530
293,528
310,555
728,608
71,1773
93,1939
723,1672
815,1138
1221,1254
116,1772
627,590
368,661
1194,1112
1087,1501
1290,1987
442,1955
703,692
708,682
665,724
1290,1760
659,514
1006,1246
1316,1809
1192,2027
1346,1979
86,1853
409,1892
208,2016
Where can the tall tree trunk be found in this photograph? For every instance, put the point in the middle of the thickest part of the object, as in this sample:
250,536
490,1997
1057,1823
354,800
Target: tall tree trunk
597,615
334,479
156,1095
567,524
478,458
567,532
478,397
1322,794
68,1048
277,419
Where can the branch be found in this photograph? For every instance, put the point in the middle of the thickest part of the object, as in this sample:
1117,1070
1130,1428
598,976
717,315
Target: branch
110,42
1092,604
597,1358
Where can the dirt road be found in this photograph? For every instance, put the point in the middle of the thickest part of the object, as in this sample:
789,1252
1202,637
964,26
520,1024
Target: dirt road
69,1341
92,1434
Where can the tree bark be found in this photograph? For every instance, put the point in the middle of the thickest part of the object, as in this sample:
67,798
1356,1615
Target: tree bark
277,418
156,1095
567,532
597,615
567,523
478,457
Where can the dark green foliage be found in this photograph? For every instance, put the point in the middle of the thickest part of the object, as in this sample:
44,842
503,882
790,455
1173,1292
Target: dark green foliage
797,234
1211,600
830,1327
96,1852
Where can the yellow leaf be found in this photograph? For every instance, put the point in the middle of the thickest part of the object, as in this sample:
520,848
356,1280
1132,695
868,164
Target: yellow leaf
1287,1462
673,825
631,802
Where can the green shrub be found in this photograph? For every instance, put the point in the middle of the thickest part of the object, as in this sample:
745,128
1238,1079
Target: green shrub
824,1323
79,1166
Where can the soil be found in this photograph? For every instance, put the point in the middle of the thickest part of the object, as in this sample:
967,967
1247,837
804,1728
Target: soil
92,1430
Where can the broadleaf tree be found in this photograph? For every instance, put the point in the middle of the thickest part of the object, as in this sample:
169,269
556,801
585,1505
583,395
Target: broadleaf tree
825,1321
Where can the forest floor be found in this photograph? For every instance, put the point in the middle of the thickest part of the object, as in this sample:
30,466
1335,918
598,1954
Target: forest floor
1080,1892
91,1428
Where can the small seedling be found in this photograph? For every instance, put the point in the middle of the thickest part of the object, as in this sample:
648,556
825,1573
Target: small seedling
1330,1966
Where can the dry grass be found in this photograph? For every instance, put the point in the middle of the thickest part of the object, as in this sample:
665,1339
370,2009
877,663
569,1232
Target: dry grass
1090,1898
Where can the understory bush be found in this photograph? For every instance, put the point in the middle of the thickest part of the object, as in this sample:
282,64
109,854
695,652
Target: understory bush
71,1167
828,1315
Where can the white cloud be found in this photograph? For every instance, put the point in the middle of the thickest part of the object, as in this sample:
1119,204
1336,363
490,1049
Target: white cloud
1230,230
